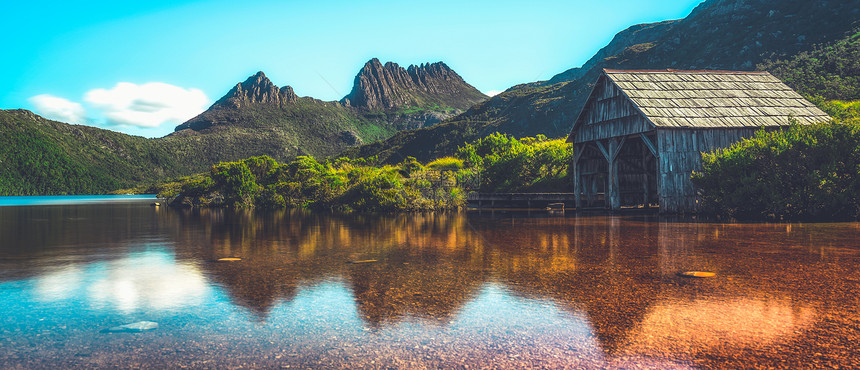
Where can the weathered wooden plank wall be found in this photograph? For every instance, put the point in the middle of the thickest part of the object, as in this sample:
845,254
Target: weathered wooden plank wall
680,155
609,114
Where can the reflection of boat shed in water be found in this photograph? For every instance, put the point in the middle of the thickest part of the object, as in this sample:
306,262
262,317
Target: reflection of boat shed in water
639,136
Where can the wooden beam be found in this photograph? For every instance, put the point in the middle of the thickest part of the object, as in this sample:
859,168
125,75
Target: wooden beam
577,152
614,201
615,146
618,148
644,177
577,176
649,144
603,150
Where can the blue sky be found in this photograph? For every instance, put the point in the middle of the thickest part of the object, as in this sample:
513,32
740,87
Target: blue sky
142,67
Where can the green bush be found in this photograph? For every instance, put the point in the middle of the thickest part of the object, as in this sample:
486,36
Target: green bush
529,164
802,172
446,164
840,110
409,166
235,181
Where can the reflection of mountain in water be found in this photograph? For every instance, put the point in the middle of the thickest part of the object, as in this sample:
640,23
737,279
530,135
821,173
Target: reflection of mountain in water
586,265
427,264
408,284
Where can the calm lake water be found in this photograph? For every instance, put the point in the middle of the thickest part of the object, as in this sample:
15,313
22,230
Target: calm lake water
436,290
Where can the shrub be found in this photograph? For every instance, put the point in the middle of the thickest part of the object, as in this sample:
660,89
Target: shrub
802,172
235,181
506,164
446,164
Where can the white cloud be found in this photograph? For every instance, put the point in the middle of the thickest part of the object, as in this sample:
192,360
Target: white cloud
59,109
148,105
492,92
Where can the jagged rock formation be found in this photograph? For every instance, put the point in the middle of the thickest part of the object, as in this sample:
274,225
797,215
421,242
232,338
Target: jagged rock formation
257,89
389,86
414,97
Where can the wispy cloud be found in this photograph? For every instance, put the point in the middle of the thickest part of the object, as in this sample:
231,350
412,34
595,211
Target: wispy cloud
492,92
148,105
59,109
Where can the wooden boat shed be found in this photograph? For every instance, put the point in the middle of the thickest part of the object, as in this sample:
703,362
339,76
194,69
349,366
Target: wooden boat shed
641,133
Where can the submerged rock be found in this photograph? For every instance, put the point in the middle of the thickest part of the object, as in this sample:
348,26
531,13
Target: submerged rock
696,274
135,327
363,261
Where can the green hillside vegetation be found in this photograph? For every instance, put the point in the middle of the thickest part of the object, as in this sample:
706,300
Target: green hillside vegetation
841,110
828,72
39,156
495,163
805,172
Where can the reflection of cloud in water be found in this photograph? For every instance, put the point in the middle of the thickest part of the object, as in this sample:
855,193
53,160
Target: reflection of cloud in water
60,283
713,324
146,280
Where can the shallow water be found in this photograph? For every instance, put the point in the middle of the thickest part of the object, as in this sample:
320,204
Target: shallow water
43,200
437,290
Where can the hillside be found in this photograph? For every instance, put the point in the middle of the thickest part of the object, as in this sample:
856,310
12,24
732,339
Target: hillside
718,34
831,71
41,156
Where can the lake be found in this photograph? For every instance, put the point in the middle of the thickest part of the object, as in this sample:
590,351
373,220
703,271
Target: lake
425,290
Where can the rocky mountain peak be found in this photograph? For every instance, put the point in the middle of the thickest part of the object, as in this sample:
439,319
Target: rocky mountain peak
257,89
388,86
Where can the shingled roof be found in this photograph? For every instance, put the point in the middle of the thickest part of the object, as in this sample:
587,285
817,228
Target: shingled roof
713,99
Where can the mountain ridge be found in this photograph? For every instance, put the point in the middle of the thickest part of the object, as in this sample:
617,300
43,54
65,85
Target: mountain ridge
257,89
411,97
388,86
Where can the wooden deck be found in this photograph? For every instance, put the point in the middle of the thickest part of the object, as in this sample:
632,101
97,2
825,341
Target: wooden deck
519,200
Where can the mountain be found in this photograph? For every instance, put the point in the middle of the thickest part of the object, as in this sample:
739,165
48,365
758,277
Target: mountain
255,117
262,118
389,87
718,34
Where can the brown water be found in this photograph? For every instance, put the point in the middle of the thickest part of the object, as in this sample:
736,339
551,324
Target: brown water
446,290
